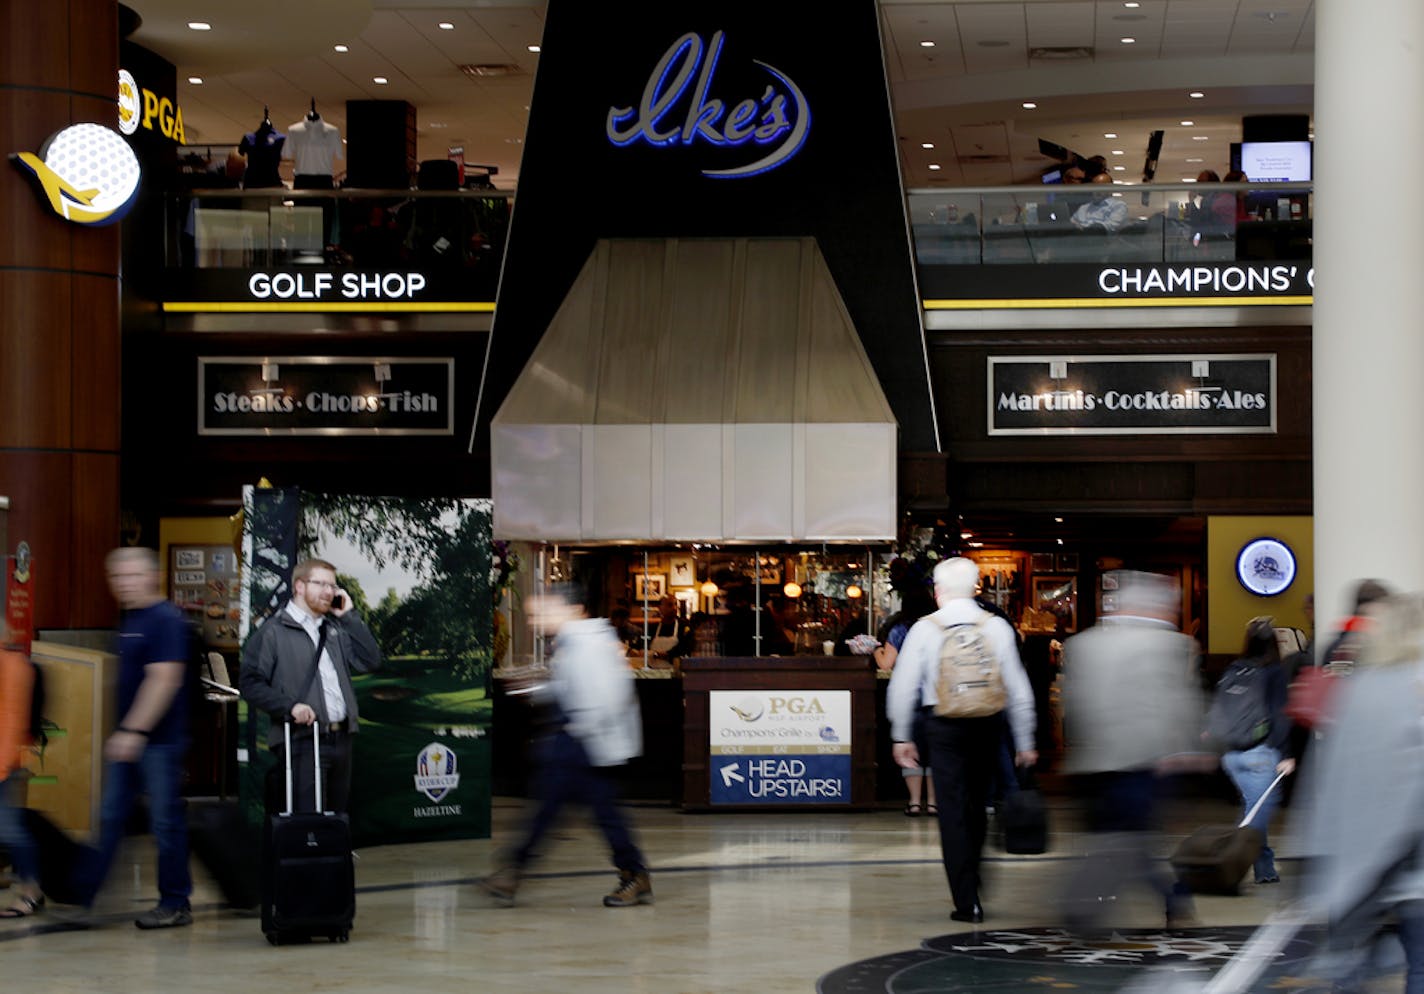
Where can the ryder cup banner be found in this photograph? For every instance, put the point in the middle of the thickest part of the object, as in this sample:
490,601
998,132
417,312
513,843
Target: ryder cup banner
1132,395
782,747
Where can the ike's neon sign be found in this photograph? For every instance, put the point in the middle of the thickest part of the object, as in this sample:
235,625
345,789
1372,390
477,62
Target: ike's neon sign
780,118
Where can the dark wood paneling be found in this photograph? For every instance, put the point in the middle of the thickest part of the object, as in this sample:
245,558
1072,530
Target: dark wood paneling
34,376
38,485
96,364
94,49
33,235
34,43
94,510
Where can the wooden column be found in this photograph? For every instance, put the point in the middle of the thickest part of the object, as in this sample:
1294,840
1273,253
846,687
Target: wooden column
59,316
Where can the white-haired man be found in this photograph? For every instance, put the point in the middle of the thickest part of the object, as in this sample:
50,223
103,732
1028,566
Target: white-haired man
963,751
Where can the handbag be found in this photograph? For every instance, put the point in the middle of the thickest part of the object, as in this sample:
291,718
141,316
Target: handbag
1309,697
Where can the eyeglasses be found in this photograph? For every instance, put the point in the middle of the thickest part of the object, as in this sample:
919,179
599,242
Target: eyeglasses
320,583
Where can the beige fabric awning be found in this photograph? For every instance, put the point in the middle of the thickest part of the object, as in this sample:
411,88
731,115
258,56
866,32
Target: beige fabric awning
697,390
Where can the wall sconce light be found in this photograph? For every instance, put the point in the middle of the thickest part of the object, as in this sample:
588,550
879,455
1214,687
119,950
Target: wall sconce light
270,372
792,590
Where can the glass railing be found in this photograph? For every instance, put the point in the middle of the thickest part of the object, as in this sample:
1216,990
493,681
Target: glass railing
455,230
1091,223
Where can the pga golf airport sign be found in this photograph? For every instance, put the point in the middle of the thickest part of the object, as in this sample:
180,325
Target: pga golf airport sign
782,747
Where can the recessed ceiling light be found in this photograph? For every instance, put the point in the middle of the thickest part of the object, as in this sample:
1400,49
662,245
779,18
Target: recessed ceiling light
438,124
1109,134
1120,169
926,144
196,80
1118,151
927,44
1200,138
534,49
1029,105
1132,4
1188,124
445,26
1189,179
340,48
200,25
379,80
1129,41
1196,94
934,166
1116,194
1196,158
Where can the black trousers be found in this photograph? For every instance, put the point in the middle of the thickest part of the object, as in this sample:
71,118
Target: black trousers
335,772
963,752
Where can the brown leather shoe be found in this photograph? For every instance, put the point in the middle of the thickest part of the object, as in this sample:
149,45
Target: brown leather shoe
501,885
633,888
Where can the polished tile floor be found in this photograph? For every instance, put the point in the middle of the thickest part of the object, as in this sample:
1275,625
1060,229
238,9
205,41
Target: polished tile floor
766,903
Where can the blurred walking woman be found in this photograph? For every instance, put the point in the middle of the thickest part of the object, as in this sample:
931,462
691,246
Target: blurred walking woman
1364,812
16,685
1252,769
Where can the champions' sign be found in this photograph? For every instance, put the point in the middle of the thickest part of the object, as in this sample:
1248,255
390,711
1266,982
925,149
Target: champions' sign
325,396
1132,395
779,119
86,172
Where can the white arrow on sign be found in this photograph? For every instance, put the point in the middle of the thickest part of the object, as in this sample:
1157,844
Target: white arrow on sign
729,773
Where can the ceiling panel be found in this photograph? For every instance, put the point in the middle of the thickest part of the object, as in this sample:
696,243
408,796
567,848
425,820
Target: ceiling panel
909,24
1059,24
983,28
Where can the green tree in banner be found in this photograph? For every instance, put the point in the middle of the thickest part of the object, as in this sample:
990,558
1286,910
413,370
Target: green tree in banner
439,540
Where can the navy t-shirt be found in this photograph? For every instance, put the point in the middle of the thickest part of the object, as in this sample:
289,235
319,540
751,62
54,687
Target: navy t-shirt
154,634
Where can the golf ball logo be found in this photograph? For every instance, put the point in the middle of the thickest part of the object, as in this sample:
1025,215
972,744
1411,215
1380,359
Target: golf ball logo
86,172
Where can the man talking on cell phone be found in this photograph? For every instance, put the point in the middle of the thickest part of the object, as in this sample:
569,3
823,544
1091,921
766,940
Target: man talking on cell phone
297,667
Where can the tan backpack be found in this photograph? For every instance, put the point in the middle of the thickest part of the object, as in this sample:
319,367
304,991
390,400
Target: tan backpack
968,683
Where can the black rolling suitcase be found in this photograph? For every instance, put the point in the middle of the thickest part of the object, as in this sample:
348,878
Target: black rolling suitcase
1214,858
308,877
1023,816
60,858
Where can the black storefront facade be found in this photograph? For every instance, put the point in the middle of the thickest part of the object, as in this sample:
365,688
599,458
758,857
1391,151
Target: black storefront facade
978,464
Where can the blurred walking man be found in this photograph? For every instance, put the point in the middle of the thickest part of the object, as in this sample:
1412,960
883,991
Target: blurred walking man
593,726
1131,704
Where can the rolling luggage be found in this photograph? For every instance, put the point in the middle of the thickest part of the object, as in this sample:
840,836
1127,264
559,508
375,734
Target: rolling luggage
1024,818
1214,858
61,859
308,877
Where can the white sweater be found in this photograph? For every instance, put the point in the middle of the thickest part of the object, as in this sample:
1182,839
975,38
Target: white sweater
590,681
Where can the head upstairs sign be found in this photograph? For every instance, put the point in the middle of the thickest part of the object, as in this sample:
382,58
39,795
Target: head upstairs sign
731,119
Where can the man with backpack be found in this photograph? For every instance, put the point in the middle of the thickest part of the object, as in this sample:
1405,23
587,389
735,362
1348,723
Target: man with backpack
959,667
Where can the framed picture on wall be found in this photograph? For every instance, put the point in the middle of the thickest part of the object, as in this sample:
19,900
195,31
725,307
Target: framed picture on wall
682,571
1042,562
1067,562
1058,596
649,587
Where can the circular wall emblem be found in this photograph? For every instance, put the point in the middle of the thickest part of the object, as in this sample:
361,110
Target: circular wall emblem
128,102
1265,566
87,172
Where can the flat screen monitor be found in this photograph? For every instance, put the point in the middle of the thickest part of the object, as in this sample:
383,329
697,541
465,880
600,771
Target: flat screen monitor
1053,176
1276,162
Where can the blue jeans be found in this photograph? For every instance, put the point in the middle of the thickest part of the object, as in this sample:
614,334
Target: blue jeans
159,774
1252,771
565,775
24,857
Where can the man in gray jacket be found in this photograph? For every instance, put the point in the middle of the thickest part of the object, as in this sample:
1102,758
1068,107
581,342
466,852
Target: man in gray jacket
1131,709
297,667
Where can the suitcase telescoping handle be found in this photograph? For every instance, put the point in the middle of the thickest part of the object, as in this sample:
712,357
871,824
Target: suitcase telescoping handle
316,762
1244,821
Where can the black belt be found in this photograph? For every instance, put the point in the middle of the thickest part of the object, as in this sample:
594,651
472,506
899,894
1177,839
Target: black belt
331,727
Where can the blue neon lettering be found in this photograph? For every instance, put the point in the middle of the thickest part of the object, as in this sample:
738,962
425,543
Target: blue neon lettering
657,100
781,117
